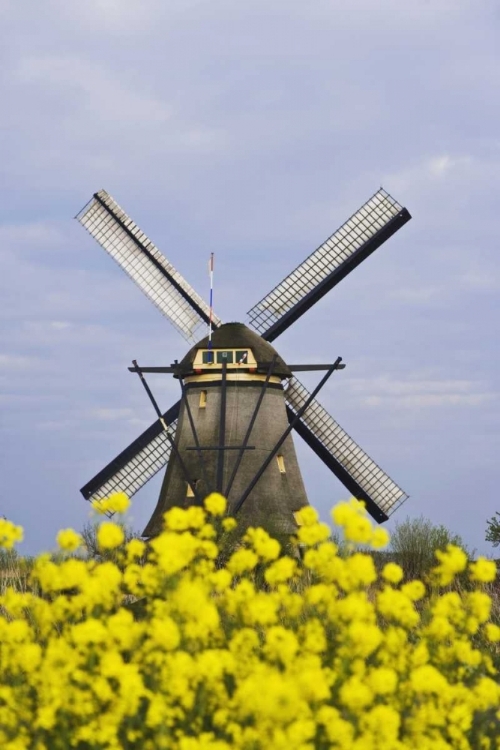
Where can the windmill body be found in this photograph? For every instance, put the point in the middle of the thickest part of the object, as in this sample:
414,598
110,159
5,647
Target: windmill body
231,429
226,459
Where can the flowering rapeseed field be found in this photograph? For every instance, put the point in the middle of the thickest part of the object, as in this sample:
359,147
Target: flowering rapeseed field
263,651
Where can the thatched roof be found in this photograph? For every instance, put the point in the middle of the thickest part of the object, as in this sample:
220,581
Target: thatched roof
237,336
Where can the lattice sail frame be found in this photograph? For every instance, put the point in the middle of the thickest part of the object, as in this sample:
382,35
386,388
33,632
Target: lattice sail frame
337,250
387,495
142,465
141,260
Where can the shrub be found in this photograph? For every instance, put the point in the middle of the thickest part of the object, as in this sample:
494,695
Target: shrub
414,543
326,653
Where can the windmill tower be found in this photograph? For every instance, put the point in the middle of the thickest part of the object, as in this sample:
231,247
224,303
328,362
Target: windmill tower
226,392
229,430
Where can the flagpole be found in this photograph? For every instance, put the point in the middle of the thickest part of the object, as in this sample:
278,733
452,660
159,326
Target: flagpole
211,274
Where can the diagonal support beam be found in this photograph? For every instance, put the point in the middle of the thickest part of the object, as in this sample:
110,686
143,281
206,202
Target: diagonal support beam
201,457
251,424
222,430
165,427
286,433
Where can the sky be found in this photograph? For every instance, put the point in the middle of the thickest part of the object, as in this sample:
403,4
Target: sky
251,130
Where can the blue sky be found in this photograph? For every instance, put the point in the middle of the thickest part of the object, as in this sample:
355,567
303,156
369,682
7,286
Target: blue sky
252,130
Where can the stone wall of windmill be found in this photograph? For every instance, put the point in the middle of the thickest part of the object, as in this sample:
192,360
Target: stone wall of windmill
280,491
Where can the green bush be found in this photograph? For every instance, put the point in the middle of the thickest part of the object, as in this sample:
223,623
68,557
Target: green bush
414,543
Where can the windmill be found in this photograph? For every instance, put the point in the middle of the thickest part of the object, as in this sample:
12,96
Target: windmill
230,430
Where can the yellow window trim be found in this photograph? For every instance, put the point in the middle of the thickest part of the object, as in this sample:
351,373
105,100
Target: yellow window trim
281,464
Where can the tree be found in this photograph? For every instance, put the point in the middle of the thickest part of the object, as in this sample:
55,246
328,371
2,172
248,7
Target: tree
493,530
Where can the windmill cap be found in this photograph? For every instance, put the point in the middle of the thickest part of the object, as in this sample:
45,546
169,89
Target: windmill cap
237,336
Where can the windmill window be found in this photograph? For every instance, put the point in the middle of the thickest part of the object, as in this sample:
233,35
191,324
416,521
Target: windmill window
226,357
242,357
281,464
208,358
203,400
189,488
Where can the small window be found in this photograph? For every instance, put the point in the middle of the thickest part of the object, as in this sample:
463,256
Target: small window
296,517
189,491
226,357
208,358
242,357
281,464
203,399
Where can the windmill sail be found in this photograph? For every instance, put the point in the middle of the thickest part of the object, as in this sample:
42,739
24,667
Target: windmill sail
137,464
379,218
103,218
355,469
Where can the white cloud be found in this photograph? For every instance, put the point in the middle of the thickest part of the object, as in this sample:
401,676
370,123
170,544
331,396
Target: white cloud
440,166
93,92
417,295
36,234
480,280
431,172
112,415
430,400
391,393
17,362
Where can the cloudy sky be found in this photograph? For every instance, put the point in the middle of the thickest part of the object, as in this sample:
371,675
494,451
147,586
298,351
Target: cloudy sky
252,130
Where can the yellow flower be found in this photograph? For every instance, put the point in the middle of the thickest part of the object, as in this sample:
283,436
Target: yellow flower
355,694
479,604
360,570
110,535
228,524
9,534
281,644
352,516
135,548
241,561
395,606
69,540
310,535
453,560
492,632
215,504
392,572
306,516
364,638
281,570
265,546
313,636
380,538
427,679
260,610
483,570
183,519
382,680
118,502
384,722
414,590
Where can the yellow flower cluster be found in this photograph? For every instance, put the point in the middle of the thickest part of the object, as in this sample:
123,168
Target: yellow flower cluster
9,534
118,502
170,650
